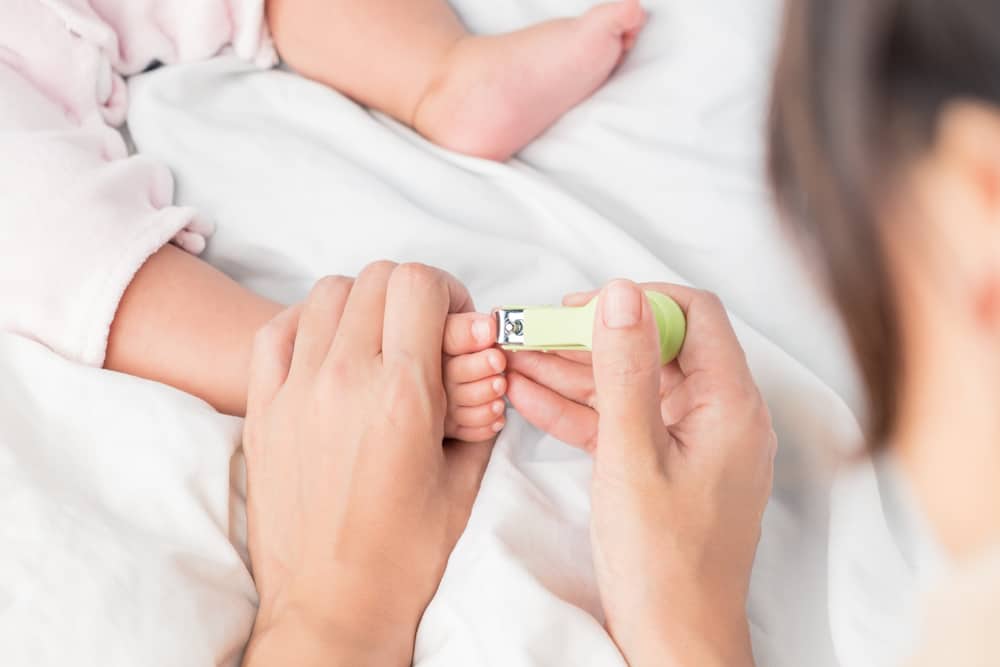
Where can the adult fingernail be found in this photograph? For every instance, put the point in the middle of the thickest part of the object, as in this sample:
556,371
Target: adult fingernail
621,306
481,330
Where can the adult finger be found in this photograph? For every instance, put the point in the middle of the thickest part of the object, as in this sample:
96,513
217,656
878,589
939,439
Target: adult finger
418,301
627,375
580,357
271,359
710,344
682,294
573,380
672,375
465,333
564,419
361,335
580,298
318,323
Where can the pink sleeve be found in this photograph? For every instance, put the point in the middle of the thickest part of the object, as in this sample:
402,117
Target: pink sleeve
78,216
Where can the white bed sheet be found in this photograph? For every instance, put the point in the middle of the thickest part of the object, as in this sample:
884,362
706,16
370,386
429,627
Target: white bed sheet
658,177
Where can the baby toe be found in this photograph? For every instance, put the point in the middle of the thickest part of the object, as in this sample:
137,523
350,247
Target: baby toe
623,16
467,368
479,433
480,415
476,393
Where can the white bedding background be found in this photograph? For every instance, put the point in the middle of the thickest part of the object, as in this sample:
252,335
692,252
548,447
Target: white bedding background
122,531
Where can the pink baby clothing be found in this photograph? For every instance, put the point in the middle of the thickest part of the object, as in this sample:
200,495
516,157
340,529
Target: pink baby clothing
78,215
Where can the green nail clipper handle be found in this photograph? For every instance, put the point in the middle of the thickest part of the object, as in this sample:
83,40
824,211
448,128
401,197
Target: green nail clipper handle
550,328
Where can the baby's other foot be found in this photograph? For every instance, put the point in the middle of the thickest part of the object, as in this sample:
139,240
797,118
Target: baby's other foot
496,93
475,387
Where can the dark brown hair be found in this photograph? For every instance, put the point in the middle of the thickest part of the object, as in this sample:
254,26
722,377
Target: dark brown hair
859,88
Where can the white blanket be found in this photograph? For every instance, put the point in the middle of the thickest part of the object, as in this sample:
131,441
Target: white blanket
122,540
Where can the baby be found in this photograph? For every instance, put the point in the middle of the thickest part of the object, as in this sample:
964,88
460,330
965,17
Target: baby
165,315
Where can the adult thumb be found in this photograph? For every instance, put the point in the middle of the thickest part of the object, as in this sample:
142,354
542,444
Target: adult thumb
626,358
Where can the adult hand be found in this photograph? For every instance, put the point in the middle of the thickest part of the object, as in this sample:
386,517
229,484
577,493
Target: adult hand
683,462
353,503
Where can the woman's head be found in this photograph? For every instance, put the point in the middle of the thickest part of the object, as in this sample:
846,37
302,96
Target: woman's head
885,157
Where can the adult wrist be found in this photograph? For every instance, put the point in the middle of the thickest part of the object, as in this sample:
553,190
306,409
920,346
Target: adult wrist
722,645
685,649
296,637
687,636
333,625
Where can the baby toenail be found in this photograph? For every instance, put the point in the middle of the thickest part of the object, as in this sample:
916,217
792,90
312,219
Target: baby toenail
481,331
496,362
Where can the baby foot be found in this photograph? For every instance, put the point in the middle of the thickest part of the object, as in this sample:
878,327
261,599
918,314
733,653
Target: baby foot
475,387
473,378
497,93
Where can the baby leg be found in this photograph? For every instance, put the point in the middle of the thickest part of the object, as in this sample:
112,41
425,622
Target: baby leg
183,323
483,95
186,324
